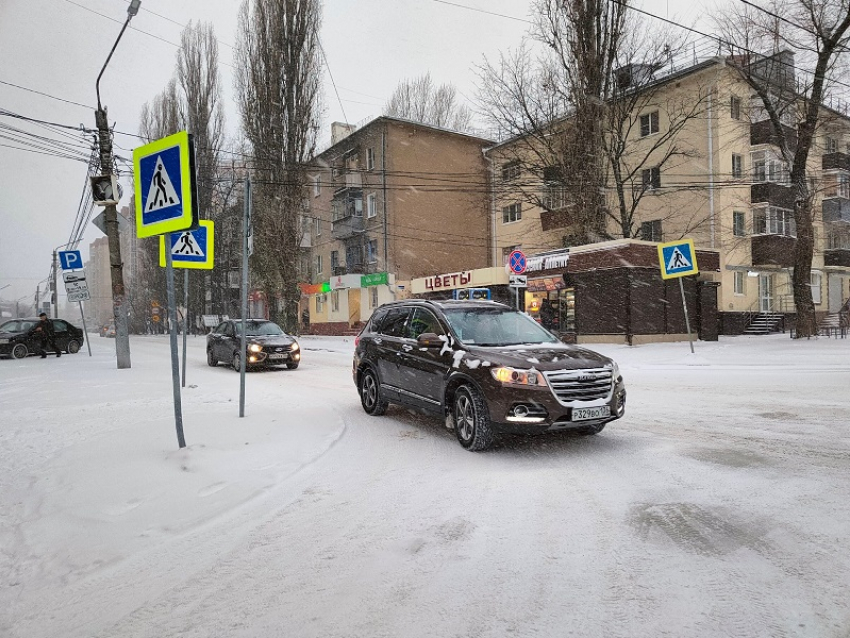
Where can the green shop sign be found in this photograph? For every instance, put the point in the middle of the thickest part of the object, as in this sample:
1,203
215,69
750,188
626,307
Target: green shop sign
375,279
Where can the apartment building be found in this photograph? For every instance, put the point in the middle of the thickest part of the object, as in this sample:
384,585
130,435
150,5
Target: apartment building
388,202
718,180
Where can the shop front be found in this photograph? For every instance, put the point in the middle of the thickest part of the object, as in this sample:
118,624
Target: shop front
340,305
447,285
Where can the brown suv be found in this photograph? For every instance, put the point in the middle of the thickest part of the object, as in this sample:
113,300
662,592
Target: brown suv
486,368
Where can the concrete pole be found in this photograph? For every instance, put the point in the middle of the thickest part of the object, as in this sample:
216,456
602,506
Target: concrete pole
55,289
119,305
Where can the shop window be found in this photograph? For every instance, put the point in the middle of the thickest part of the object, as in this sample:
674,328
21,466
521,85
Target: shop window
335,301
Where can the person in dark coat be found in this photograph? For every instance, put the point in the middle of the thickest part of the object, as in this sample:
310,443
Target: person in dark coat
547,314
46,335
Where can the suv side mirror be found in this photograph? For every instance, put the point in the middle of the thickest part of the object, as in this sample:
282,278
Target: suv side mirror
430,340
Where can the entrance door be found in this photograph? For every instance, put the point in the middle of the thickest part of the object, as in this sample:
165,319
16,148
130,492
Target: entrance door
765,293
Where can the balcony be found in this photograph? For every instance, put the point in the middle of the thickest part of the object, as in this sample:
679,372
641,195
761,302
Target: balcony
762,133
773,194
836,209
348,179
347,213
773,250
835,161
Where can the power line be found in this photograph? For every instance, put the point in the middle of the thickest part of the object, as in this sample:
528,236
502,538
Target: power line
53,97
477,10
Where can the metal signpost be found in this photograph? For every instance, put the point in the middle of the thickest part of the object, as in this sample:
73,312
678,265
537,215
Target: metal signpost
679,259
517,265
247,251
189,249
76,287
166,202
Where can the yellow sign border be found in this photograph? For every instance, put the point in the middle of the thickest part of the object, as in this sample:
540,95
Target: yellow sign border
185,220
207,264
684,273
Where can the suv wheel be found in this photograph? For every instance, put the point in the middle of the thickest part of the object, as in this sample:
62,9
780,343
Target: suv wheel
19,351
472,421
73,347
370,394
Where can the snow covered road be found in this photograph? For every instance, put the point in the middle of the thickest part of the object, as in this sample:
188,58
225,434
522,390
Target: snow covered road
717,507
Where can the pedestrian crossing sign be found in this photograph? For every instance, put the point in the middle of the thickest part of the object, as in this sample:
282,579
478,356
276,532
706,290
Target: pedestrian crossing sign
677,258
190,248
164,176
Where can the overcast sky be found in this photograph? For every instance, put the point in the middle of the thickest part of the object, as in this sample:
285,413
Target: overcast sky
58,47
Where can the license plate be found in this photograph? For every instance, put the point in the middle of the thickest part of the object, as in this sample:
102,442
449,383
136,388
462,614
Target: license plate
278,356
4,341
586,414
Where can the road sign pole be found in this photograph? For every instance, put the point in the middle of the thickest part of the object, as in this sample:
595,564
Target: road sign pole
175,363
85,330
185,318
243,351
687,318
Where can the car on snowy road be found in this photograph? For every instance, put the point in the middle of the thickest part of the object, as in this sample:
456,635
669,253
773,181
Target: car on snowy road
485,368
266,344
18,338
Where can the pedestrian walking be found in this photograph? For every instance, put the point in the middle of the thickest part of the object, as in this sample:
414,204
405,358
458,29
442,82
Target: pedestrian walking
46,336
547,314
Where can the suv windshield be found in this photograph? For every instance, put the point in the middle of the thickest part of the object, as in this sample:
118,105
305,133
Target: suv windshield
496,327
258,329
17,326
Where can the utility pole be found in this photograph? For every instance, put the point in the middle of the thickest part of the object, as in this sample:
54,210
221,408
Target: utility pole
55,291
104,137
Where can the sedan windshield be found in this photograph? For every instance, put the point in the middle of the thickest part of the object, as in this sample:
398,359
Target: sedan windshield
496,327
258,328
17,326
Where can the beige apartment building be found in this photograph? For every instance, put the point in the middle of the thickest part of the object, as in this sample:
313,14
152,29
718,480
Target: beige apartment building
388,202
719,181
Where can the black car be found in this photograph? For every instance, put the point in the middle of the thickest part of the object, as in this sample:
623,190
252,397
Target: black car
266,343
19,339
485,368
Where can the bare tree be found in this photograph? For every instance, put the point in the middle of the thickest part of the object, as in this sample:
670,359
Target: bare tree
792,56
278,82
419,100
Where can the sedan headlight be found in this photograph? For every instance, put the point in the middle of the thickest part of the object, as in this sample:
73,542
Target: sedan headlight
515,376
255,347
294,346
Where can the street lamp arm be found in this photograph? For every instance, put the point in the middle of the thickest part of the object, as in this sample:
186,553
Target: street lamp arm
108,58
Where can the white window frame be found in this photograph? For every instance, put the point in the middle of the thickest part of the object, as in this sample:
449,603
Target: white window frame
320,302
319,266
511,171
652,124
318,226
370,159
817,287
317,186
372,251
739,283
742,216
766,166
771,220
830,144
647,181
512,213
334,300
737,165
735,107
371,206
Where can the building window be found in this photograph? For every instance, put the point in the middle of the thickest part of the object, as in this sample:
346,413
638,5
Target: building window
737,165
334,261
768,168
836,186
816,287
371,205
774,221
735,107
831,145
740,286
651,178
554,194
319,269
373,297
512,213
320,303
739,224
510,171
372,251
506,253
317,186
335,301
649,124
370,159
651,230
318,226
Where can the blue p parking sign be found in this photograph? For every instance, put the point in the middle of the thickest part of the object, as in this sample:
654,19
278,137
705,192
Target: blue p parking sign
70,259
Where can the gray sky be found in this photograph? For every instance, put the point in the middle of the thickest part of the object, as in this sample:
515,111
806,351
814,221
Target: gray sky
59,46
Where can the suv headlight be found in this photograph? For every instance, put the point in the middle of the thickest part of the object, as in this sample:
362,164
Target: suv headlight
255,347
615,371
516,376
294,346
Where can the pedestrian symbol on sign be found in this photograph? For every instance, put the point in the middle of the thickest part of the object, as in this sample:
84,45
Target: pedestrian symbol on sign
677,261
161,193
187,245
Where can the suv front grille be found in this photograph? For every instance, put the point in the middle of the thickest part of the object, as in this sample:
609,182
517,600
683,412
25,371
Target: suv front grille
580,385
